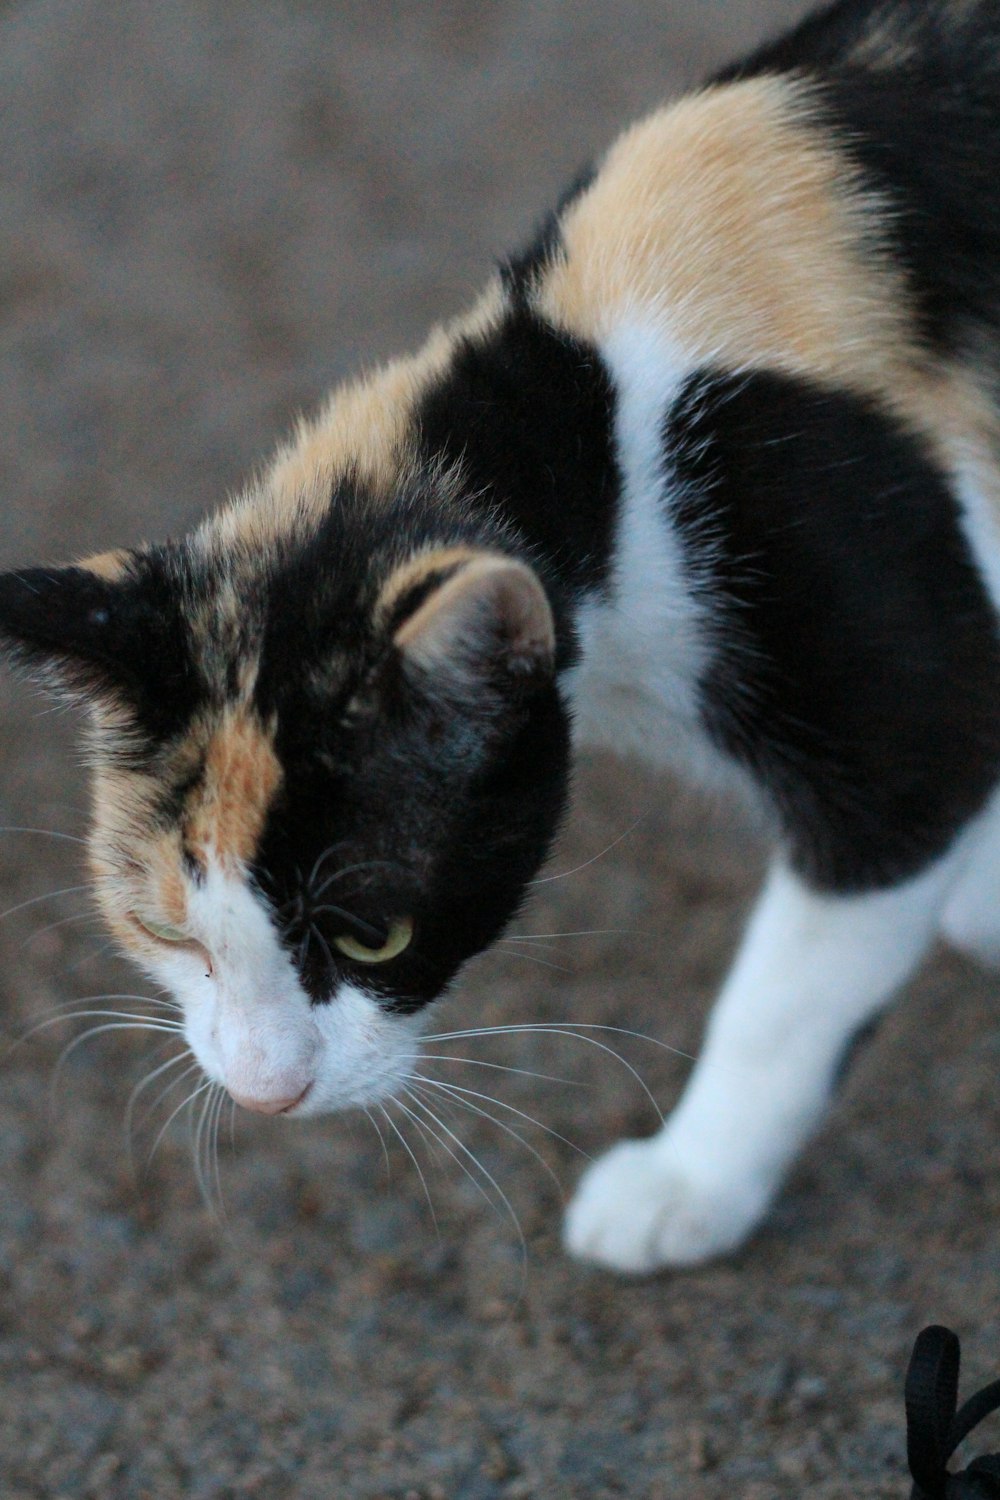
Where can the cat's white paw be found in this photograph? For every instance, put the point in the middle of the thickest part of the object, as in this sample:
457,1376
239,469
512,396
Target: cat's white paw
636,1212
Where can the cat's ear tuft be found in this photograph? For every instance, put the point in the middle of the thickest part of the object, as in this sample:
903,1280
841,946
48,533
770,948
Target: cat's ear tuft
490,616
66,622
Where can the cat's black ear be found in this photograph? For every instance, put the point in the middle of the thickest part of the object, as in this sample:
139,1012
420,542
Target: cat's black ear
491,616
96,629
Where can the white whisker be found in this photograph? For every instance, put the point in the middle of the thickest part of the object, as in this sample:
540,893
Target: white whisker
188,1099
485,1114
69,890
479,1062
532,958
456,1088
46,833
577,1030
565,874
426,1109
145,1082
385,1149
409,1151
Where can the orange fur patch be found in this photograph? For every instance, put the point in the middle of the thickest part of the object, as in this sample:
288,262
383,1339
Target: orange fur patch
729,219
242,775
107,565
364,430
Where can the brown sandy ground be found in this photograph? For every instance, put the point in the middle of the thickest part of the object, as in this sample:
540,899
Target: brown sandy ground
207,212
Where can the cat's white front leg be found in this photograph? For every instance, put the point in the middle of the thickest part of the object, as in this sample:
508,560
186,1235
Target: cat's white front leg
812,969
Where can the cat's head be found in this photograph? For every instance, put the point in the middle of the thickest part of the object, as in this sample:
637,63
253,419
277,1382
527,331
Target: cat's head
327,761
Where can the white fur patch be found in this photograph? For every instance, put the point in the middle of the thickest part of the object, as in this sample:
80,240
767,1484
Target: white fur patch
251,1025
645,646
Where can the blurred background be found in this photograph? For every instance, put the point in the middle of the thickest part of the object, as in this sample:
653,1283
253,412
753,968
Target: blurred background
208,212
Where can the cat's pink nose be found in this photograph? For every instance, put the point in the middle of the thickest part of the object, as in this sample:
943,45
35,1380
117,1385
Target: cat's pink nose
276,1106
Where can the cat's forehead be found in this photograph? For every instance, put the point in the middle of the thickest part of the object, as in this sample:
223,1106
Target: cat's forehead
238,776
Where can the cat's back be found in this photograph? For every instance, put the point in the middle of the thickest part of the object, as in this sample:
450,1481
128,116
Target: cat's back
910,92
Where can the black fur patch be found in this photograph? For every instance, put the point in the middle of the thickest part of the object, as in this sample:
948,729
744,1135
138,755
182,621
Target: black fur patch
919,113
521,272
858,670
425,810
397,800
528,411
126,638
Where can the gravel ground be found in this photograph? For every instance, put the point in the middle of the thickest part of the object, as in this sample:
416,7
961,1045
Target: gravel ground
207,212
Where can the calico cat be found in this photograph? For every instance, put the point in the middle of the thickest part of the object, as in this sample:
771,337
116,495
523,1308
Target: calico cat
710,472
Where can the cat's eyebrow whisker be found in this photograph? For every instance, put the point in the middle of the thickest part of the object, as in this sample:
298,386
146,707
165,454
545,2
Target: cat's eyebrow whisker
426,1110
321,860
366,864
565,874
410,1153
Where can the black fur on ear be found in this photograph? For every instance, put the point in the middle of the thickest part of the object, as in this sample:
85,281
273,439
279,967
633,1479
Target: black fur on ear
102,635
490,621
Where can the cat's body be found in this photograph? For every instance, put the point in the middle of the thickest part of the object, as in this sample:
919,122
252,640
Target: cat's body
712,472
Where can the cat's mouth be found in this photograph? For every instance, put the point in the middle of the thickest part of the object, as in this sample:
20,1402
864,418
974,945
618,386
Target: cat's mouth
279,1106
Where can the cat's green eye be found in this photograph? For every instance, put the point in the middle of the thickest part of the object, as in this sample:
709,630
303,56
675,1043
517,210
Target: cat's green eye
397,939
160,930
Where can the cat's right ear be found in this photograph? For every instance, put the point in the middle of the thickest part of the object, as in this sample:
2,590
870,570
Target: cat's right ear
489,619
84,629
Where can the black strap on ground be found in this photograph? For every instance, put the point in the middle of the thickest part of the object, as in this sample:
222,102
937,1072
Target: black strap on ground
934,1428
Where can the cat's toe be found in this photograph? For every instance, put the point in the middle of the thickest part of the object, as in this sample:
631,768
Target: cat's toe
634,1213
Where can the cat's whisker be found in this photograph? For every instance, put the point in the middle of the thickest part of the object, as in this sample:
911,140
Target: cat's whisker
188,1099
565,874
466,1151
578,1030
146,1082
532,937
98,952
213,1174
459,1089
132,1018
485,1114
202,1123
532,958
134,1024
480,1062
565,1027
69,890
47,833
385,1149
79,916
193,1067
410,1153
